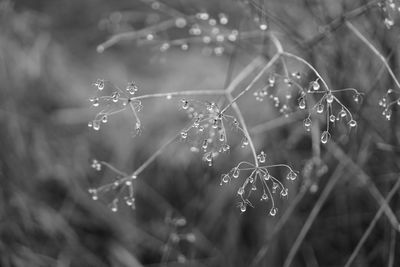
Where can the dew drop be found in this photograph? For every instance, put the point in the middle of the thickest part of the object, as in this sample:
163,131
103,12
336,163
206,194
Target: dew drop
320,108
329,98
235,172
352,123
325,137
242,207
184,134
315,85
307,122
273,211
302,103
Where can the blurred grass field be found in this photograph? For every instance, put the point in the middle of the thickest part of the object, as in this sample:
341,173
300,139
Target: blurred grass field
48,64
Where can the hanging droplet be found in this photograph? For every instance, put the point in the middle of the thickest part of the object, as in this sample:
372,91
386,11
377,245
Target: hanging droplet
261,157
205,144
356,97
104,119
242,207
90,124
271,80
342,113
99,84
115,97
284,192
185,104
235,172
240,191
225,178
264,196
320,108
245,142
325,137
302,103
315,85
273,211
291,176
96,125
332,118
114,205
352,123
329,98
184,134
307,122
96,102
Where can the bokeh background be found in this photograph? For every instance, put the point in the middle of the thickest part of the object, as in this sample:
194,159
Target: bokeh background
48,64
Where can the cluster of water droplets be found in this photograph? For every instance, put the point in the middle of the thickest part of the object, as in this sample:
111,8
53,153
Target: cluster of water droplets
121,189
387,103
112,100
207,132
391,10
258,177
329,106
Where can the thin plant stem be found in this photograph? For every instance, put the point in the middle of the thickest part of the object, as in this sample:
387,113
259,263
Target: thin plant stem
250,85
180,93
392,247
308,65
239,114
313,214
154,156
162,26
375,50
254,64
372,224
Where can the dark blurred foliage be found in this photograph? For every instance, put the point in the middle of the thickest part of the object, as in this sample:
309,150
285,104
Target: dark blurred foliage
48,62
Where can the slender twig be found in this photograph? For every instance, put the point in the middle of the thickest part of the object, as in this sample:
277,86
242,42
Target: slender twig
239,114
372,224
254,64
180,93
132,35
308,65
314,213
250,85
339,154
392,247
375,50
154,156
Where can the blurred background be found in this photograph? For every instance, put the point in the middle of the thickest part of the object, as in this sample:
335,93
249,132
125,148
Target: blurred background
183,217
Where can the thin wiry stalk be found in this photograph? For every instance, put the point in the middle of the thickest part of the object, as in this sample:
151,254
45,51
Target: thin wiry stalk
392,247
181,93
239,114
308,65
132,35
314,213
279,225
339,154
372,224
250,85
154,156
375,50
244,74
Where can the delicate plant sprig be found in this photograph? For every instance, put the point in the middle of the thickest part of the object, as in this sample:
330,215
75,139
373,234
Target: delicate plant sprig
259,177
385,101
208,126
121,187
